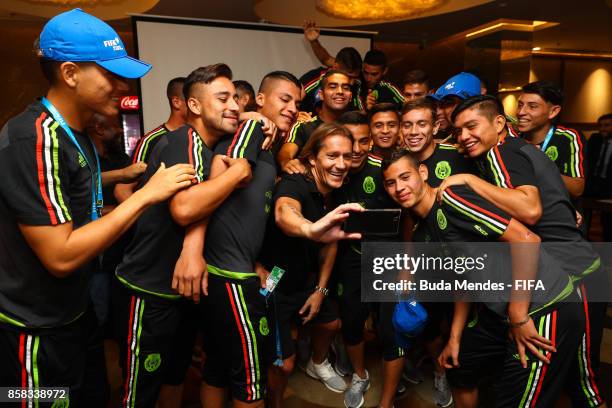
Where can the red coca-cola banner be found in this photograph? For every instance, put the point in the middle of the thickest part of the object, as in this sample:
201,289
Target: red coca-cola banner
129,103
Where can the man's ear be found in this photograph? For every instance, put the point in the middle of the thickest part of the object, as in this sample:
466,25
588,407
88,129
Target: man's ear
68,73
194,106
500,123
436,126
423,172
554,111
260,100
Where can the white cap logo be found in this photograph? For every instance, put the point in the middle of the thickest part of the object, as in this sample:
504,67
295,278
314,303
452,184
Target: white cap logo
115,43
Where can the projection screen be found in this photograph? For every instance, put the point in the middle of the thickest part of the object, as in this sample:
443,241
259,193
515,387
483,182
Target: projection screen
177,46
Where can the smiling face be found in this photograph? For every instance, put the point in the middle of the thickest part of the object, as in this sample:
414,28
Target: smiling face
279,102
337,93
361,144
384,127
533,112
478,133
332,163
405,183
418,129
216,103
96,89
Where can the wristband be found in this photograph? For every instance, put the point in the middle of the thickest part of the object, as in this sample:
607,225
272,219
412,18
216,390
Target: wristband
518,324
324,291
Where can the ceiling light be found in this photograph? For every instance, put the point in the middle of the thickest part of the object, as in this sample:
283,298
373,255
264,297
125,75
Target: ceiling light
510,25
536,48
377,9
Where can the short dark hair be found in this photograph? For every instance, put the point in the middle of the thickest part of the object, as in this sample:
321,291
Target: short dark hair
282,75
353,118
549,91
375,57
416,76
487,104
349,58
383,107
421,103
175,87
205,75
328,74
607,116
244,86
397,155
50,69
318,137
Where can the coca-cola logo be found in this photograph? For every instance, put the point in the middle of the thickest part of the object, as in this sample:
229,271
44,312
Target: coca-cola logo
129,103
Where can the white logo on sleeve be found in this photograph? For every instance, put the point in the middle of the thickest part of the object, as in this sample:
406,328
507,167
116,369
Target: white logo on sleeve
115,43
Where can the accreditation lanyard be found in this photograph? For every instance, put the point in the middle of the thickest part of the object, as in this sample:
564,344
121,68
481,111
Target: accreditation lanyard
96,182
549,135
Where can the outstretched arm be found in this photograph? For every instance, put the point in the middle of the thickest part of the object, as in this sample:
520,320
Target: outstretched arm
522,203
289,218
62,249
311,33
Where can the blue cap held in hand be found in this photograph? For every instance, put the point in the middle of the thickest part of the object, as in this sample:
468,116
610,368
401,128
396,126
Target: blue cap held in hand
464,85
409,319
80,37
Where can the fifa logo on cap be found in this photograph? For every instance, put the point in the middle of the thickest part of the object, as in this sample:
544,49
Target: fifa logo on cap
450,86
115,43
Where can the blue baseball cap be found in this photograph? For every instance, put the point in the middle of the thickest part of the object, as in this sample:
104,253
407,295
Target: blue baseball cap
463,85
409,319
77,36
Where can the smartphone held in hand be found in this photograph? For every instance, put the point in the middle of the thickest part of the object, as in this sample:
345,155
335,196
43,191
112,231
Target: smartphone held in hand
374,222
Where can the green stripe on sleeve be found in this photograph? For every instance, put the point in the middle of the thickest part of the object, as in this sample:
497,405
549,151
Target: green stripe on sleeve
294,132
246,141
473,217
493,169
57,184
572,166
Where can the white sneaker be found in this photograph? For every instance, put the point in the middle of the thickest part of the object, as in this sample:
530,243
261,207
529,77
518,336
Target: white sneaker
325,373
353,397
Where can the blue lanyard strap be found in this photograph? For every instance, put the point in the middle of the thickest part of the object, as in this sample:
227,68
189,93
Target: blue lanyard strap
279,351
549,135
96,178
